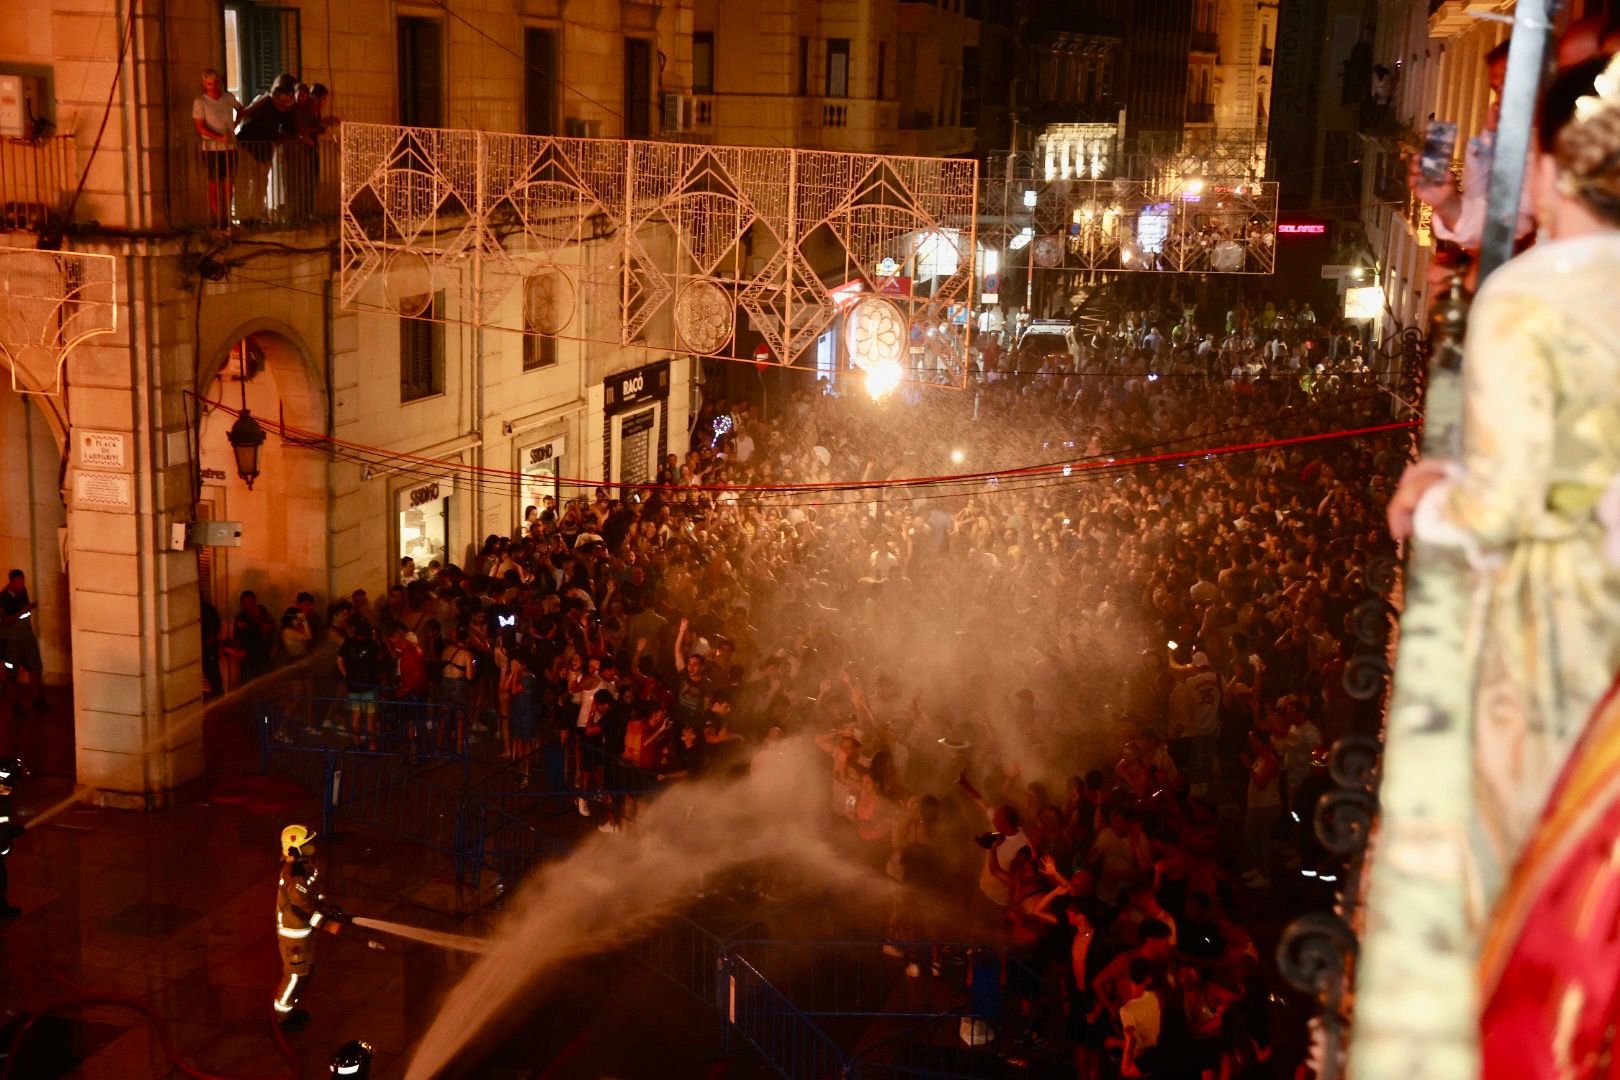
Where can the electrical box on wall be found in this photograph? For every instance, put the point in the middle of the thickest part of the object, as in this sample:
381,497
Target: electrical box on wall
216,534
21,105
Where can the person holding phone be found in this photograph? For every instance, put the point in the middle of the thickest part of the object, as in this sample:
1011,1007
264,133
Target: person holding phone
1459,212
19,648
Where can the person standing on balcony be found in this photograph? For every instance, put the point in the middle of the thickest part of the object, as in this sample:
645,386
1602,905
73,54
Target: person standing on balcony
1459,213
1534,498
264,124
214,115
303,154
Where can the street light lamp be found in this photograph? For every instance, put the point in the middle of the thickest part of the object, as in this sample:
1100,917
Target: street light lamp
245,437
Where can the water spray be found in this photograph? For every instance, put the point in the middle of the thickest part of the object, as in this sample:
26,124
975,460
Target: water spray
439,938
78,796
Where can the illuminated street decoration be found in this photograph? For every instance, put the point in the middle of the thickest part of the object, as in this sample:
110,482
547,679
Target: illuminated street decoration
666,246
51,301
1088,200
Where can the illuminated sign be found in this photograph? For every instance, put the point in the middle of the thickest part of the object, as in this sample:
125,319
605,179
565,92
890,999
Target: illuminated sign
1301,228
1364,302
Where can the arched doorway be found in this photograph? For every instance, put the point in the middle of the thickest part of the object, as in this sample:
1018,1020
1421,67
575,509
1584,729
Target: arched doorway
283,516
33,522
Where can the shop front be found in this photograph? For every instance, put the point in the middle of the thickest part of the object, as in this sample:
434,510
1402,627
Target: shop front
635,407
422,529
540,463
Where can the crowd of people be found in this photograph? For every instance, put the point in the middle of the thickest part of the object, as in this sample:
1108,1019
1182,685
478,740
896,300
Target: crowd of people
1127,675
1161,331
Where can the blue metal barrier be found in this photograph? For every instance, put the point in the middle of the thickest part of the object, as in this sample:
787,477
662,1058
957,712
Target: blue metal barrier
786,1037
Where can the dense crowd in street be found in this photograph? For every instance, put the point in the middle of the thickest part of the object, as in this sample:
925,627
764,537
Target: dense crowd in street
1069,707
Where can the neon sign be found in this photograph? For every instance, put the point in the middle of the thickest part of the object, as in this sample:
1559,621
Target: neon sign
1301,228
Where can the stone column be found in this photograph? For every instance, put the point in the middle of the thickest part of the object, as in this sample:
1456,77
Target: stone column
137,647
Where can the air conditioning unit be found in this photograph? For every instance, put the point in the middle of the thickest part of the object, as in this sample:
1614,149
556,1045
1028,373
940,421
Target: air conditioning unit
579,128
21,105
678,109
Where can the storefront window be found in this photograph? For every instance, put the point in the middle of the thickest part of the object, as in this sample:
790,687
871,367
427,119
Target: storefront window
541,464
424,519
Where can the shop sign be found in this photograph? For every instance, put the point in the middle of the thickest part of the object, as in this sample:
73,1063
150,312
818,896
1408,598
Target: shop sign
426,494
544,453
640,384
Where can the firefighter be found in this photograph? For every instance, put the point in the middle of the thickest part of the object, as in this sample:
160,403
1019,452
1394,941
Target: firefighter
300,911
11,770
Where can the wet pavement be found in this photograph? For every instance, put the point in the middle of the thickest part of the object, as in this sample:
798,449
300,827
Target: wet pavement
148,939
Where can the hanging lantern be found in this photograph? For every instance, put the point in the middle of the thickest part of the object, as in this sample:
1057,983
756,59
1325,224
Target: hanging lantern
245,437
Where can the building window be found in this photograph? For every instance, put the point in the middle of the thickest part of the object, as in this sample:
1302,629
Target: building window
637,88
539,82
541,321
421,348
883,70
261,42
804,66
838,67
970,86
421,72
703,62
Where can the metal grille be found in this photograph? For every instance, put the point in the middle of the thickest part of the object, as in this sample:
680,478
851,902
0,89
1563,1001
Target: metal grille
635,448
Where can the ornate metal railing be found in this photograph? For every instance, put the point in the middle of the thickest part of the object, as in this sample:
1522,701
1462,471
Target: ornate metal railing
1318,950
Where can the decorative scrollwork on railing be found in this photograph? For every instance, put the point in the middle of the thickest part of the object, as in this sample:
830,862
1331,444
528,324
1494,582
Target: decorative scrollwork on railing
1344,820
1366,676
1314,953
1354,762
1372,621
1382,573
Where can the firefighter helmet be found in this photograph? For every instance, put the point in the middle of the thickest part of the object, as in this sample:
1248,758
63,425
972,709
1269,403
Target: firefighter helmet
294,837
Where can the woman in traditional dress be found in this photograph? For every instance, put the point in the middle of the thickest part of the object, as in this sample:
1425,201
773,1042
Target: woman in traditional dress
1550,967
1538,476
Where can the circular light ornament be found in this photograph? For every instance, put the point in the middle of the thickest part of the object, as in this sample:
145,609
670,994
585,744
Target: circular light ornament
874,333
704,317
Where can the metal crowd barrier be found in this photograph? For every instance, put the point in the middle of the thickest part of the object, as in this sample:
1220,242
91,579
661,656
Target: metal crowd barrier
809,1008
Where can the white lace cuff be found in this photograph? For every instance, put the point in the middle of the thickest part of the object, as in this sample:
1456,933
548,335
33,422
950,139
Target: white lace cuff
1432,525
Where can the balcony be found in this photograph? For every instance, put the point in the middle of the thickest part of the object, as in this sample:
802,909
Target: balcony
37,178
1205,41
1265,56
1200,112
280,185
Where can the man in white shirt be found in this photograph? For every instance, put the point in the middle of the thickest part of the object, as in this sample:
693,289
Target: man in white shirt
214,114
1140,1020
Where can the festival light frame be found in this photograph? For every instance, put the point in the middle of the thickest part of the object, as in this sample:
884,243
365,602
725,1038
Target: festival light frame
660,245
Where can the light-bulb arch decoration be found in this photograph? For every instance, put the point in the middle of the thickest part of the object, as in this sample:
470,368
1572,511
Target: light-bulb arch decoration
51,302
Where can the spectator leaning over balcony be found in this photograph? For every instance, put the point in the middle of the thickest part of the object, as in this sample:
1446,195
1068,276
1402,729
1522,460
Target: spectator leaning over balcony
303,154
264,124
1459,214
214,115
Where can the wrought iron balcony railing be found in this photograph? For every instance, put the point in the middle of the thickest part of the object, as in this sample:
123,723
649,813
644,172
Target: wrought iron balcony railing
1318,950
255,185
37,178
1200,112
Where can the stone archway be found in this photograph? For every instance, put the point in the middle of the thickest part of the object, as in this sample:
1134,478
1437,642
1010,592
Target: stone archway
284,515
33,522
